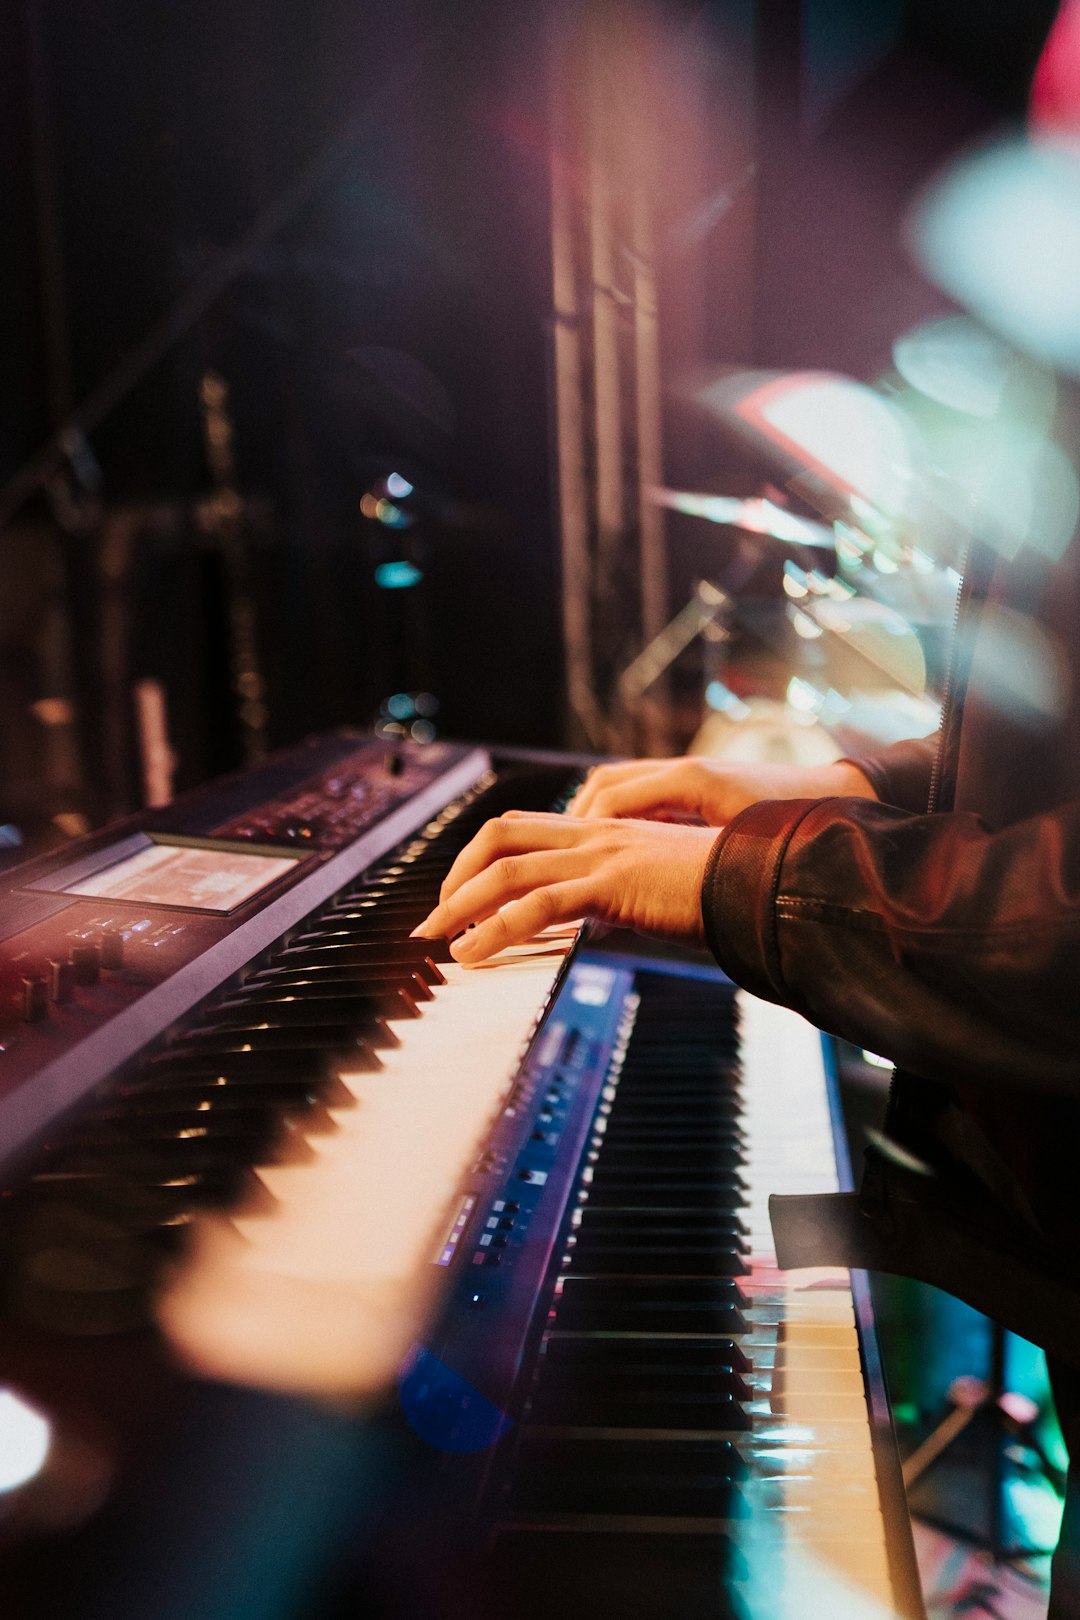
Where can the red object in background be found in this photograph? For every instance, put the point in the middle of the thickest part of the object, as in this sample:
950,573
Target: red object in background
1055,89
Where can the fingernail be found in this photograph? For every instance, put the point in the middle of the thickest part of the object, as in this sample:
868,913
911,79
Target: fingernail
418,931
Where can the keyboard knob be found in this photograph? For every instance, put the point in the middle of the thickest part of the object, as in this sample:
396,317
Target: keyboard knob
61,980
35,997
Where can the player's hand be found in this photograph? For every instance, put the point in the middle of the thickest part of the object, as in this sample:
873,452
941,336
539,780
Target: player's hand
521,873
711,791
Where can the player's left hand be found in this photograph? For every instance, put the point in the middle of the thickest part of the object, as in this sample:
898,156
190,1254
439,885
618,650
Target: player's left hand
522,873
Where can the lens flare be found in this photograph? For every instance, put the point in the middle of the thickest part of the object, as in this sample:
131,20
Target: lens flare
1000,233
397,576
24,1441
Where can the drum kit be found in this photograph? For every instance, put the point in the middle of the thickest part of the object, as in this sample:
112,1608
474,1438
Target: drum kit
857,665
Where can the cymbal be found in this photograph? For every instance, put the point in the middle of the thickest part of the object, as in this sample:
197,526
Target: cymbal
754,515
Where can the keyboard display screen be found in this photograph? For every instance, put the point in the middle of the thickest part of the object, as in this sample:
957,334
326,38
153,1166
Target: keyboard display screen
196,878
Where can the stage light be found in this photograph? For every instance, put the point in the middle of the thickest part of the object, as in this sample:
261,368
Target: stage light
1031,497
956,363
802,697
1022,670
397,576
1001,234
724,701
795,580
845,432
398,487
834,707
393,517
803,625
24,1441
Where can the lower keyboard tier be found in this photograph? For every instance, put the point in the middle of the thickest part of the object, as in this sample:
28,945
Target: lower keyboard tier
379,1286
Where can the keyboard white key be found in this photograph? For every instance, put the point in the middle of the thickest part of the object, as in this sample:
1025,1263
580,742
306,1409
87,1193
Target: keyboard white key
815,1539
327,1292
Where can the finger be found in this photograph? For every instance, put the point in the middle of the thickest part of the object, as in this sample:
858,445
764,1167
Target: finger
506,835
644,796
521,920
505,879
599,777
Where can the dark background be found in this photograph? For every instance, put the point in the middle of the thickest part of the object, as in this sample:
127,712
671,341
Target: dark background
393,315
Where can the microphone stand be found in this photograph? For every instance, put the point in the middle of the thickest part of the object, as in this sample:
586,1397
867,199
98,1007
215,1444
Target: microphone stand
1001,1418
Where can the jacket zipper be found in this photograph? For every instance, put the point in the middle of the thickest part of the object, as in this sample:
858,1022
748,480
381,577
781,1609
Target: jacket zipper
963,590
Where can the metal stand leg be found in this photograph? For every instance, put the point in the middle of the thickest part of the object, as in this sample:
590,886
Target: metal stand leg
1003,1418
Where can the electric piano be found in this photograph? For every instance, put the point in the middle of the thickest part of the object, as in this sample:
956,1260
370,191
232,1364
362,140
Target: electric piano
338,1279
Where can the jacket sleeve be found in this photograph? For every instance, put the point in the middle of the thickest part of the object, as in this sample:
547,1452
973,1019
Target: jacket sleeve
901,774
950,949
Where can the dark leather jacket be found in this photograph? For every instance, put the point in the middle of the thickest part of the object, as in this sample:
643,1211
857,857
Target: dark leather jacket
940,927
